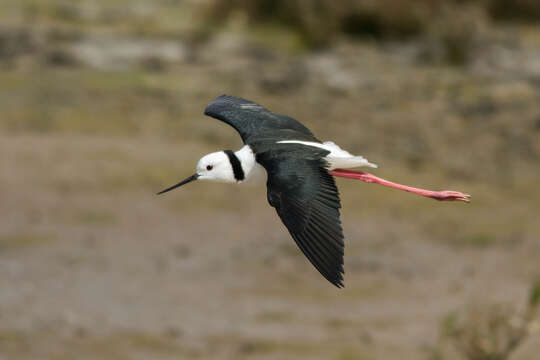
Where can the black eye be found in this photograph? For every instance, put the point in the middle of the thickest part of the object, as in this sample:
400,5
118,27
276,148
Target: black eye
209,167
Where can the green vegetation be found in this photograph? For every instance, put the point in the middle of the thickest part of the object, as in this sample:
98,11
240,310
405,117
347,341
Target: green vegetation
21,241
94,217
492,332
451,26
83,346
318,22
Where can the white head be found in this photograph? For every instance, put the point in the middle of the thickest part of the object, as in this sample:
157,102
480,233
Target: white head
214,167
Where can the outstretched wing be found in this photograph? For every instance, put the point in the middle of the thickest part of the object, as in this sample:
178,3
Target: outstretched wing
307,201
251,119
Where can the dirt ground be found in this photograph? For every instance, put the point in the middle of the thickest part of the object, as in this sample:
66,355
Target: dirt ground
94,265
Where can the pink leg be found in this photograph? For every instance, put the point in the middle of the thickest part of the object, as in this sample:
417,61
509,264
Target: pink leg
370,178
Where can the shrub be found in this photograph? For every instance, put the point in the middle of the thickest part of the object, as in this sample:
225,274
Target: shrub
528,10
493,332
319,21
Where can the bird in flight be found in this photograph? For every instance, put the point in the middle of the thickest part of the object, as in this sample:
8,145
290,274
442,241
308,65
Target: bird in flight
300,177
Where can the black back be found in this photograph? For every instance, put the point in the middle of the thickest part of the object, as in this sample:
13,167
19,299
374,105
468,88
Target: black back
251,120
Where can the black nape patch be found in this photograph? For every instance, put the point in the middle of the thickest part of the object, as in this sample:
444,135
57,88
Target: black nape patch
236,165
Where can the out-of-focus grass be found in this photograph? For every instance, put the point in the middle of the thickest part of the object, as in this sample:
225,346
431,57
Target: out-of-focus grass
249,348
275,316
369,289
122,345
452,24
490,331
24,240
13,341
95,217
121,103
116,177
167,18
319,21
528,10
84,346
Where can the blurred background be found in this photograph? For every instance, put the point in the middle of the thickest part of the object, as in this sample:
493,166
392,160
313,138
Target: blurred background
101,106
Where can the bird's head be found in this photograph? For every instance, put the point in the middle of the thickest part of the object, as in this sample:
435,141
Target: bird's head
214,167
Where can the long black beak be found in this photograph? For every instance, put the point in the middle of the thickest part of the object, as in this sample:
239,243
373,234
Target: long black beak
189,179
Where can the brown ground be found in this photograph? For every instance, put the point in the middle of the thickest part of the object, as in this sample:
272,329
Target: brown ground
93,265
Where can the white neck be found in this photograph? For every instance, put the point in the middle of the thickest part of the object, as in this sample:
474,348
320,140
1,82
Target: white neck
247,160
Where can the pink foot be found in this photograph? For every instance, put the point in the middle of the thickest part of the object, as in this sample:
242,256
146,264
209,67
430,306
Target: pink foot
448,195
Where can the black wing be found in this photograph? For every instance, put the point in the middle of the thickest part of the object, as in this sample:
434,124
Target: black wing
251,119
307,201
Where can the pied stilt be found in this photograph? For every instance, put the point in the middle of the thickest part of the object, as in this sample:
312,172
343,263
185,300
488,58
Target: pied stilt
300,182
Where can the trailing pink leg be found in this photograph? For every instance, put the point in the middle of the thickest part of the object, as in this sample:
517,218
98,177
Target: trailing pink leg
447,195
